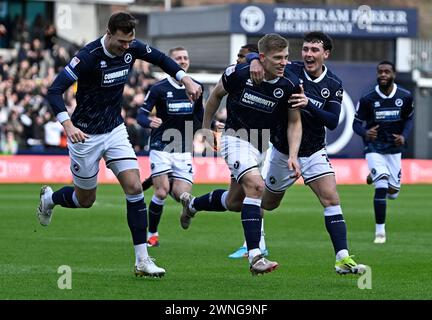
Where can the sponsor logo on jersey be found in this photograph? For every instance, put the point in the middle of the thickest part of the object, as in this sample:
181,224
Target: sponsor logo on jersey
128,58
74,62
114,76
325,93
179,107
278,93
387,115
258,101
316,101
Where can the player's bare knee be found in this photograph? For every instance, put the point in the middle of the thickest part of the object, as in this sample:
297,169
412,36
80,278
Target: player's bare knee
330,201
161,193
133,188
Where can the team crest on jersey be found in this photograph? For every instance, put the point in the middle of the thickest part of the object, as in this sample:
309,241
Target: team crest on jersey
377,104
169,94
74,62
128,58
103,64
325,93
237,164
278,93
76,167
398,102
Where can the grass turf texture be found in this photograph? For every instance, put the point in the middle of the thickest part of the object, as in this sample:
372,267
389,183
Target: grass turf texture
96,244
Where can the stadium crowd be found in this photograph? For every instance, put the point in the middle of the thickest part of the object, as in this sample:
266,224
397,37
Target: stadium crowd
37,55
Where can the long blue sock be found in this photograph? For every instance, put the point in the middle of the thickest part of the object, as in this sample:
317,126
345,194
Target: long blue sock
210,202
251,220
64,197
380,205
336,227
155,214
137,220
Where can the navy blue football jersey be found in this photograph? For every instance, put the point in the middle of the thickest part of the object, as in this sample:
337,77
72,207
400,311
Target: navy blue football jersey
389,112
325,98
101,78
178,115
251,106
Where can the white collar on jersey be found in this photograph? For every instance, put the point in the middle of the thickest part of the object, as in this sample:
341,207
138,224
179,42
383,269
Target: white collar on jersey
382,95
105,49
317,79
175,83
272,81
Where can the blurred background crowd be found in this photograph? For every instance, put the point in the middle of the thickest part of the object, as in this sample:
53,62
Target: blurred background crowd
27,125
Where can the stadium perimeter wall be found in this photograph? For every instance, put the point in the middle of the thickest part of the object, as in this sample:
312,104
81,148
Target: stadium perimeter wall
55,169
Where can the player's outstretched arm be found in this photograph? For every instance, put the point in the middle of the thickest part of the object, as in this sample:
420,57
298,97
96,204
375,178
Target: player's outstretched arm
210,109
294,134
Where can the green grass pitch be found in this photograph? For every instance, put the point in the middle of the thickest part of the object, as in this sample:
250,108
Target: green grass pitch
96,244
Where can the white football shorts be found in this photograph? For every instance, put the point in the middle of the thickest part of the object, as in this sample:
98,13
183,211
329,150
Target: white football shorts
114,147
278,177
177,165
385,165
240,156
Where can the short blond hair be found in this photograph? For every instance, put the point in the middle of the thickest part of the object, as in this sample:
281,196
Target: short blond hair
272,42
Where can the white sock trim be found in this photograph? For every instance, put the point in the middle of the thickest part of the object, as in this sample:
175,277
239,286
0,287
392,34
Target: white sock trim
140,252
342,254
380,228
158,201
223,199
252,201
75,200
332,211
134,197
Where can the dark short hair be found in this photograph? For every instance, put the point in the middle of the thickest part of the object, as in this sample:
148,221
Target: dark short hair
319,37
123,21
251,47
387,62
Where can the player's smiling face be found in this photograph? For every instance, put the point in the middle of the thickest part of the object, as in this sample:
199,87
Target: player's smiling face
119,42
182,58
385,75
313,55
274,63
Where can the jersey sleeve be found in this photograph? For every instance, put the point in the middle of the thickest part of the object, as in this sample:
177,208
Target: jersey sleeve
229,78
149,102
158,58
78,66
360,116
